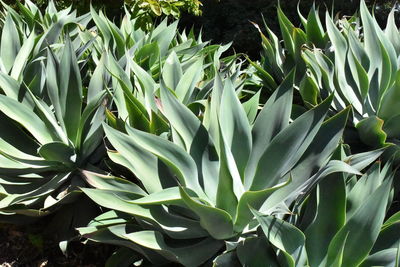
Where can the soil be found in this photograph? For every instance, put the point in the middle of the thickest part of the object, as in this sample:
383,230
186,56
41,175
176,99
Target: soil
26,247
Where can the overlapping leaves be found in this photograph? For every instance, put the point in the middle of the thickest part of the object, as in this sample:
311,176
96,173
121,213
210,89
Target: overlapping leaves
211,171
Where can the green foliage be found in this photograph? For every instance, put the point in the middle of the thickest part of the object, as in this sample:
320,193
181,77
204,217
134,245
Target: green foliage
228,20
48,130
352,57
152,141
344,224
211,171
146,12
57,80
159,7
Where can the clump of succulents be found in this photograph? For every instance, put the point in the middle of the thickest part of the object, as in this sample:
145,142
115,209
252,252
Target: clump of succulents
185,163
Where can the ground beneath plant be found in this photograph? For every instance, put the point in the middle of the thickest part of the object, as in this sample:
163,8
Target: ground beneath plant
25,247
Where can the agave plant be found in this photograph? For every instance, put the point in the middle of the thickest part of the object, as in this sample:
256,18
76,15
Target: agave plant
149,49
197,184
344,225
46,138
353,58
135,102
279,58
137,62
362,66
27,34
45,29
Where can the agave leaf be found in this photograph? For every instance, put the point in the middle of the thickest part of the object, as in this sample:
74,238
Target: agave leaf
117,36
34,195
299,190
309,90
372,43
90,126
388,258
11,152
387,109
336,259
25,12
359,74
253,199
101,25
22,57
52,86
148,55
189,81
33,8
123,257
110,200
130,151
299,39
362,160
235,127
370,131
167,196
114,236
10,87
362,228
296,137
216,221
316,156
10,44
18,139
230,187
365,186
46,114
183,255
70,91
330,216
392,31
282,235
111,217
23,115
267,78
272,119
99,79
147,84
286,30
393,219
122,86
227,259
315,31
111,183
58,151
11,166
172,71
341,48
129,105
175,226
163,36
388,71
175,157
52,34
251,107
210,120
196,140
254,251
388,237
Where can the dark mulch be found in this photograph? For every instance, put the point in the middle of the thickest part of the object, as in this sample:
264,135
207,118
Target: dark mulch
27,247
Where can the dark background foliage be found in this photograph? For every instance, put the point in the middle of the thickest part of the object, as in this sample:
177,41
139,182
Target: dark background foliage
228,20
224,21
